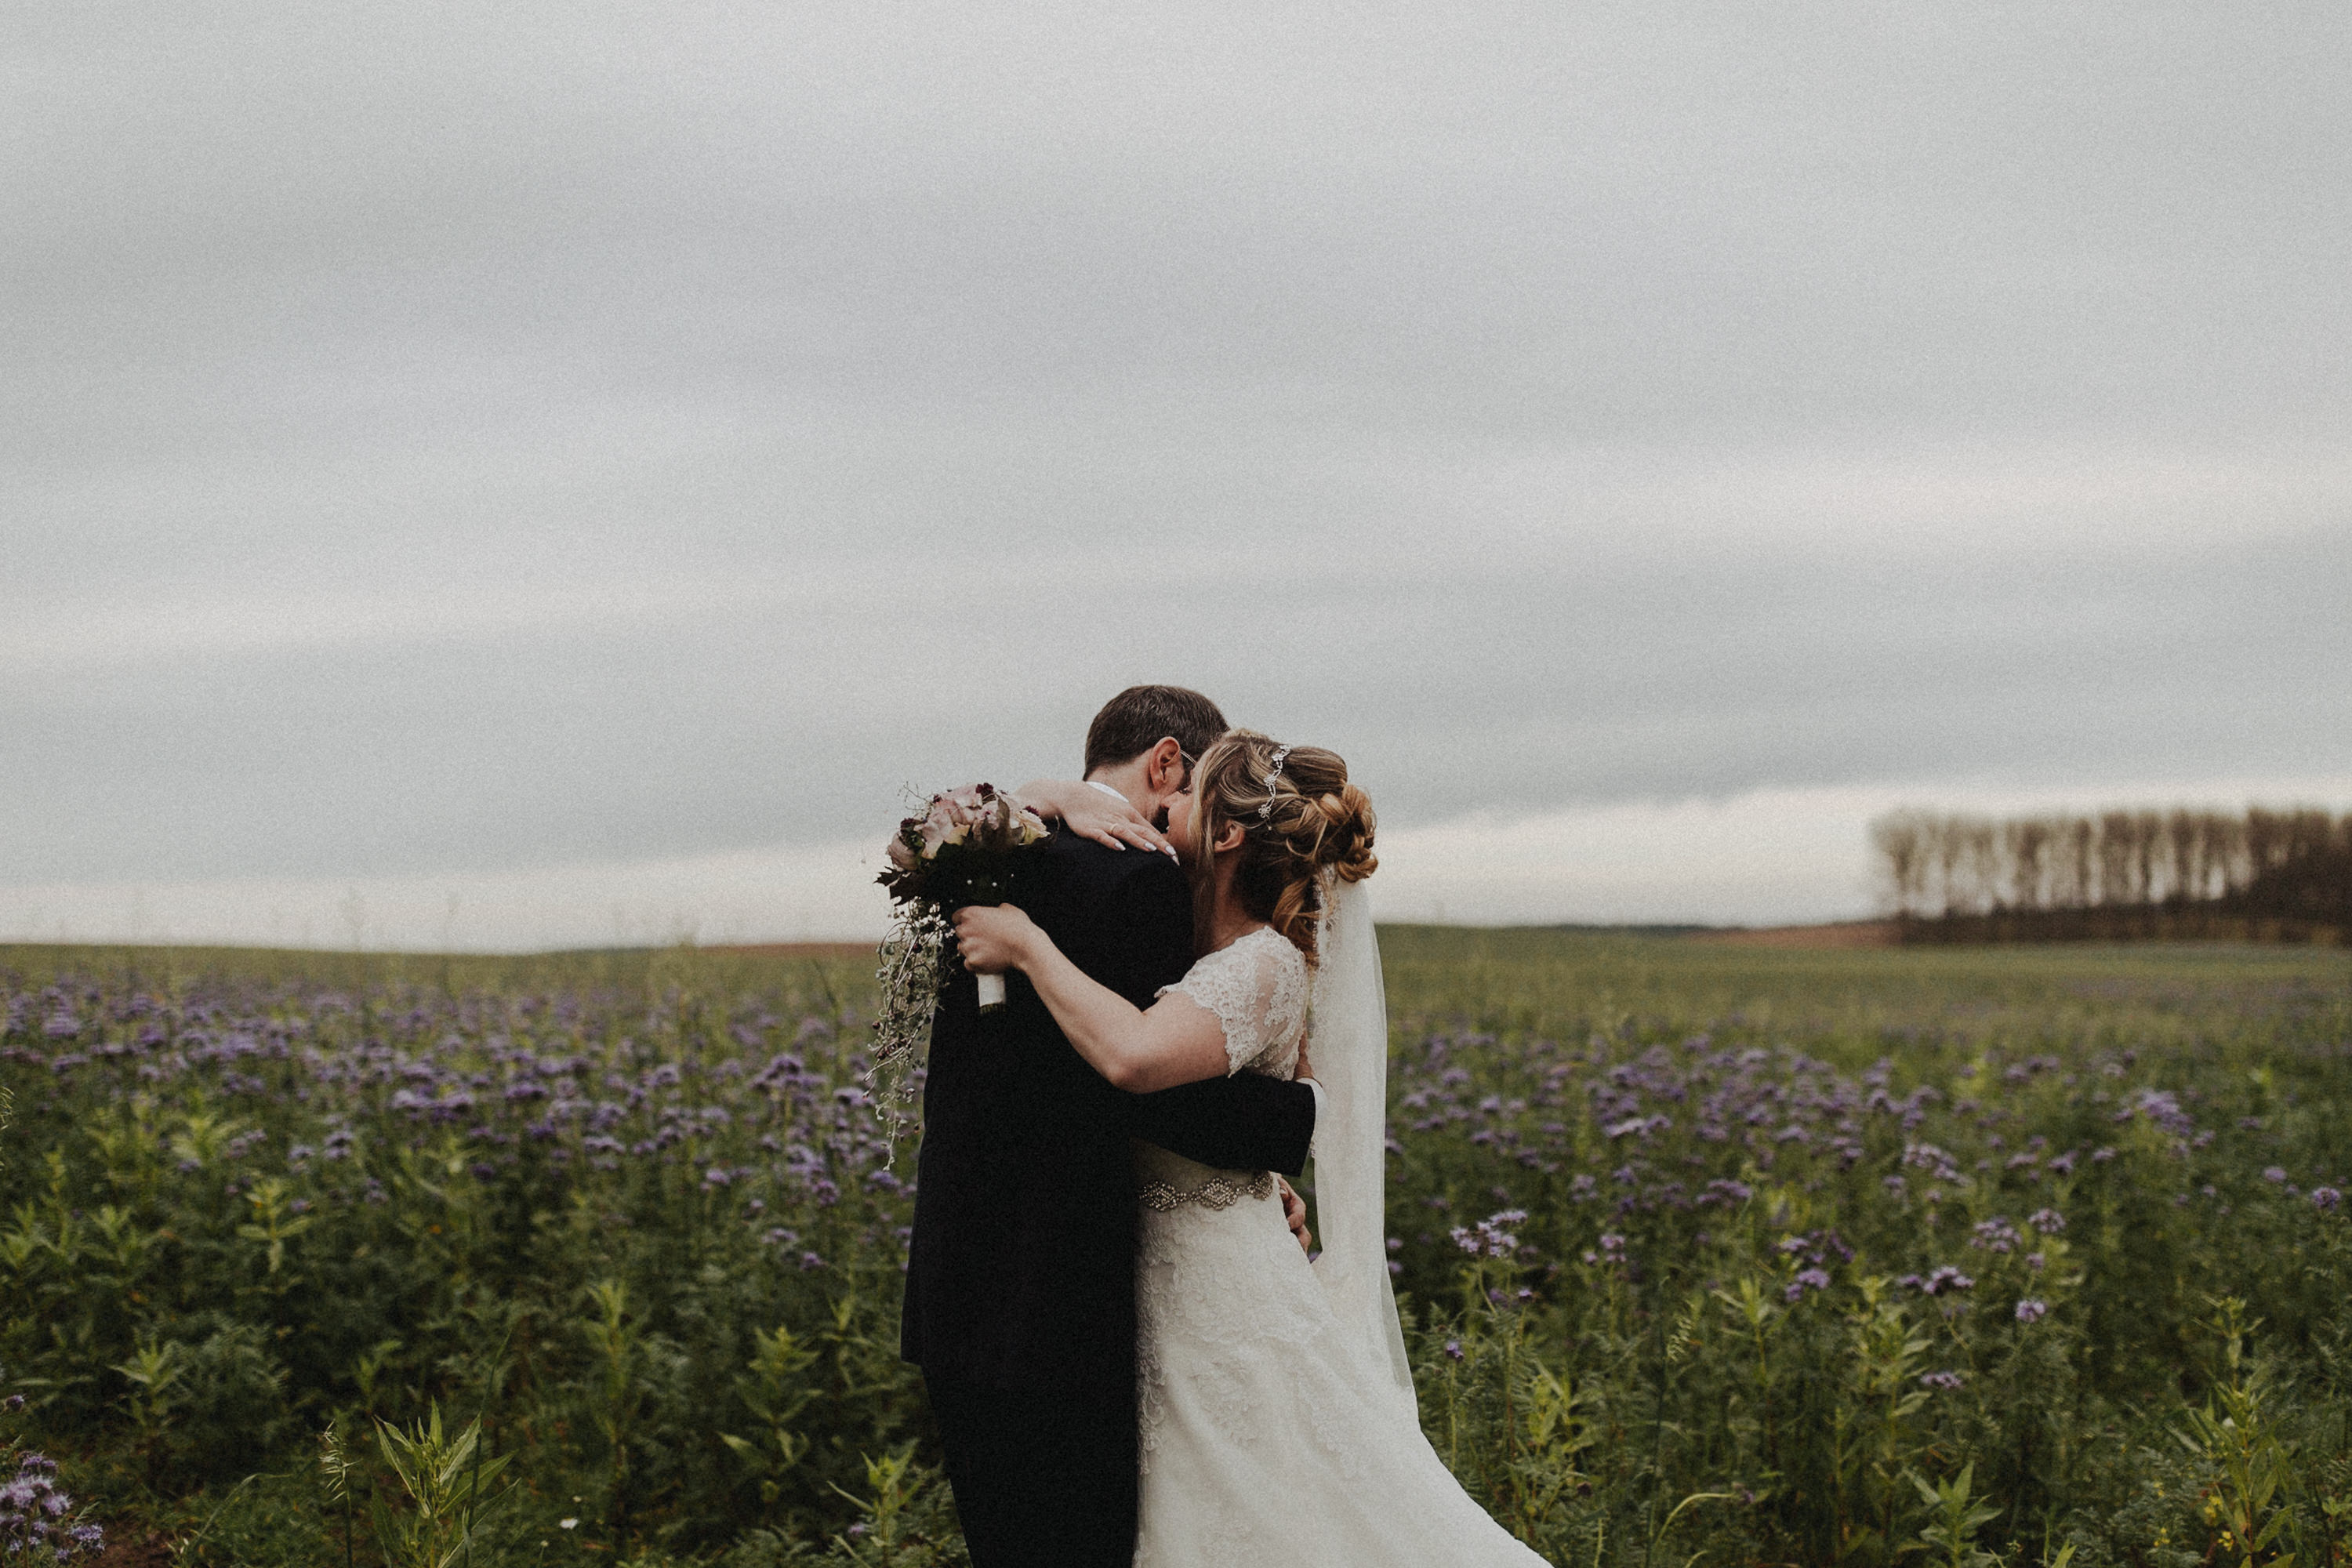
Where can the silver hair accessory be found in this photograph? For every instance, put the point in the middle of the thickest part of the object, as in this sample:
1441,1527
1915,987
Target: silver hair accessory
1272,777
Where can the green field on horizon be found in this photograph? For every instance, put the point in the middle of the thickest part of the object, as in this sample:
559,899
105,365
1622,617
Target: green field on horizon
1493,976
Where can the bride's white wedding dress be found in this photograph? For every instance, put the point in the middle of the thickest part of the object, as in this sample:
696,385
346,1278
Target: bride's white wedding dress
1278,1420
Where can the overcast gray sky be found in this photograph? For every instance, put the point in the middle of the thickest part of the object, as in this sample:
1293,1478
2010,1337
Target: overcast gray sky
536,473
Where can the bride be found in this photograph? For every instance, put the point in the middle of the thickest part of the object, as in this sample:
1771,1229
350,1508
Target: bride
1279,1423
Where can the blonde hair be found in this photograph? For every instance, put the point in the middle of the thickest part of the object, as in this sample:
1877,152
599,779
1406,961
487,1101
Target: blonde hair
1310,820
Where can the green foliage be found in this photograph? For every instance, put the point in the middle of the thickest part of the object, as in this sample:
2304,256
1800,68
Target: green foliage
2091,1140
2251,1464
1949,1532
445,1481
607,1226
903,1519
775,1395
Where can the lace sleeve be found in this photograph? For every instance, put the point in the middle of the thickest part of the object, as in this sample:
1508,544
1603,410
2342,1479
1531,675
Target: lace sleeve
1257,989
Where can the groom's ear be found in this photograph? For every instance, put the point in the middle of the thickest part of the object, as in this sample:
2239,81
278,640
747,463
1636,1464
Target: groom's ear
1163,766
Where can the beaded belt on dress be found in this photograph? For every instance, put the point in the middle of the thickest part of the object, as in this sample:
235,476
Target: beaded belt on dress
1216,1192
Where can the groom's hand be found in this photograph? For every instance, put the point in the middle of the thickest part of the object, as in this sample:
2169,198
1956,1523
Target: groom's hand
1294,1214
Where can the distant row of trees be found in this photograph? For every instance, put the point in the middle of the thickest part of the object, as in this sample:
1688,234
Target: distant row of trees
1953,876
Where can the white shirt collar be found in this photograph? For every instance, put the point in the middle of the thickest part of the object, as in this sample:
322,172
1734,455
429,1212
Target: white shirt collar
1098,783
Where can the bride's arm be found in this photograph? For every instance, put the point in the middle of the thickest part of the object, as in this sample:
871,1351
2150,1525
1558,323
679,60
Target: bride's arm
1090,813
1174,1041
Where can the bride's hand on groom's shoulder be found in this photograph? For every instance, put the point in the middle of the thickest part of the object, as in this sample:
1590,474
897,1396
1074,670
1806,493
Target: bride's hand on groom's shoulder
992,940
1091,812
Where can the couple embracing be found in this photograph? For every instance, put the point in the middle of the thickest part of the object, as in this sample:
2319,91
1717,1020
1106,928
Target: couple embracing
1130,1356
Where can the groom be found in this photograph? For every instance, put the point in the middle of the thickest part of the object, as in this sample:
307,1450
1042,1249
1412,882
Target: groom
1021,1274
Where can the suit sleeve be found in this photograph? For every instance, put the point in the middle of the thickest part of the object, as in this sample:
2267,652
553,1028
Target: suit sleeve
1243,1122
1247,1121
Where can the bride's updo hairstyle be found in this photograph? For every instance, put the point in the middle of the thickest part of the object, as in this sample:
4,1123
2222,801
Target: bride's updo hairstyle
1307,820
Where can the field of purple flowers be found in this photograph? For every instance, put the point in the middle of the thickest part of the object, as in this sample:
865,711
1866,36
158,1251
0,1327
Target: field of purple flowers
1710,1254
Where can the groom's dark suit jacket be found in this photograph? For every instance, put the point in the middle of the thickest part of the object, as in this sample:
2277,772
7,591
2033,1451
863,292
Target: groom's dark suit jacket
1021,1273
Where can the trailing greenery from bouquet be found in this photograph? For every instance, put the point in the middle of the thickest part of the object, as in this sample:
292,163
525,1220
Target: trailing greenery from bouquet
913,958
965,849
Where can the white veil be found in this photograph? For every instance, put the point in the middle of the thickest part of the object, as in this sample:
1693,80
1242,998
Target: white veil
1348,1048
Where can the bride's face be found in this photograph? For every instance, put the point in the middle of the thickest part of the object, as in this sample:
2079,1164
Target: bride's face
1179,825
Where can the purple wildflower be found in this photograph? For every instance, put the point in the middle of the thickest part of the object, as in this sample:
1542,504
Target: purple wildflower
1489,1237
1612,1251
1995,1234
1806,1280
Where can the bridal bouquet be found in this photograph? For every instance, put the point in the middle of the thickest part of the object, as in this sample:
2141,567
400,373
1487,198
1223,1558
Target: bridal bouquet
968,848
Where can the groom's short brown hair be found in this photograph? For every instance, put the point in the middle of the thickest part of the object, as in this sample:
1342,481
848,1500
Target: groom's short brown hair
1140,717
